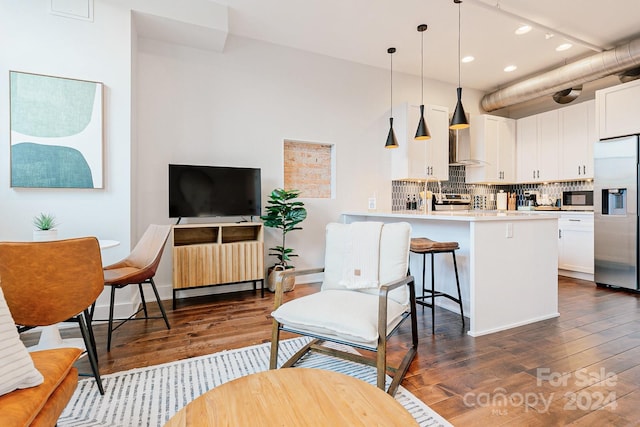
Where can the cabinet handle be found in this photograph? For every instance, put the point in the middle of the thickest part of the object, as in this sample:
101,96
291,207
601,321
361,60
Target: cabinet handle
574,220
534,174
538,174
578,169
559,234
584,170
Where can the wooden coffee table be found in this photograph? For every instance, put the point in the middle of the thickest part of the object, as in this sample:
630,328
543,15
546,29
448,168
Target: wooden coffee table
294,397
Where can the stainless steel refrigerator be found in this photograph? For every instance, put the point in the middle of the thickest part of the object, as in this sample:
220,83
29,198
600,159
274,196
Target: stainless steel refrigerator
615,194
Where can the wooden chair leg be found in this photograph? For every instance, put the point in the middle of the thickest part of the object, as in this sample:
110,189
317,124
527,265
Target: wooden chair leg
275,343
381,363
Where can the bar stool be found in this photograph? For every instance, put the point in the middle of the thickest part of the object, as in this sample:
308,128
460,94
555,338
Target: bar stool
424,246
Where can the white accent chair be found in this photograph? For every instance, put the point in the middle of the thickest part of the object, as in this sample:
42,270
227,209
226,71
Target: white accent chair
362,318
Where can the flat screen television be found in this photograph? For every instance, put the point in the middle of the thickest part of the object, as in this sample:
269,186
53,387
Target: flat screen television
207,191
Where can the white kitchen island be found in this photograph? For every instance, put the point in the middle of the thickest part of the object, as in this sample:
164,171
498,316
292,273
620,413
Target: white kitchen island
507,263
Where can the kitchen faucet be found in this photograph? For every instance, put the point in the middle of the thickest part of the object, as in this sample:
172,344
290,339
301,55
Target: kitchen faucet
439,195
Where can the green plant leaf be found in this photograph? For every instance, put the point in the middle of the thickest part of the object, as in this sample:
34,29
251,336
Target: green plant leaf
284,212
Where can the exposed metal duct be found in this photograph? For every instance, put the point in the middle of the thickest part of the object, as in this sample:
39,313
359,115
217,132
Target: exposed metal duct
586,70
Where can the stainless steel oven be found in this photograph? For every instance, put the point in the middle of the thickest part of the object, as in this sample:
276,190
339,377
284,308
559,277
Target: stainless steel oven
577,200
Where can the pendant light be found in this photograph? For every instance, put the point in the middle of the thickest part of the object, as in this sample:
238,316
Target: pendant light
459,119
392,142
422,132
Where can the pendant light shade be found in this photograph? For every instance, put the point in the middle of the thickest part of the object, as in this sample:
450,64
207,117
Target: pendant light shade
392,142
422,132
459,119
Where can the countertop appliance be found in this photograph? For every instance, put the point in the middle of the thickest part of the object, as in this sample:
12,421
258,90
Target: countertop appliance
616,212
577,200
530,201
452,202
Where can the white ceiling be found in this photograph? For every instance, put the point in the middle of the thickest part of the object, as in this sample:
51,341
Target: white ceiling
362,30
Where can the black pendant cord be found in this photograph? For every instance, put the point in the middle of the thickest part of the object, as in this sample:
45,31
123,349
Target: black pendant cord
422,69
391,51
459,24
392,142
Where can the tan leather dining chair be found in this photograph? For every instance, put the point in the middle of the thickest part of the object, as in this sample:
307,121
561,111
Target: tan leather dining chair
138,268
46,283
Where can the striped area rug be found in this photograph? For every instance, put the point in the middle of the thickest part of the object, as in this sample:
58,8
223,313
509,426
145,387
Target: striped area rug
150,396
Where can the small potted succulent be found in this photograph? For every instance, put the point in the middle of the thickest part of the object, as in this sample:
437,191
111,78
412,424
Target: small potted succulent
284,212
45,227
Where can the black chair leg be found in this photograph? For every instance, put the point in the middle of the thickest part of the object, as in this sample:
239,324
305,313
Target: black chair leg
424,275
155,291
91,351
455,268
433,298
144,303
88,315
110,331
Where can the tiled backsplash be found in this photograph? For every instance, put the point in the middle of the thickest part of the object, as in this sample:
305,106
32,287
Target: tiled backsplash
456,184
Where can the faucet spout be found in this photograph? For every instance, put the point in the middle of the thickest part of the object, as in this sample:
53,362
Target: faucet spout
439,195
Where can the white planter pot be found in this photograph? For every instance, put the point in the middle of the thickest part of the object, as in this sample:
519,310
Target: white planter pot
45,235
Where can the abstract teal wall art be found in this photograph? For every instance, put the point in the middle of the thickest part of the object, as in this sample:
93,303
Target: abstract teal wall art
56,132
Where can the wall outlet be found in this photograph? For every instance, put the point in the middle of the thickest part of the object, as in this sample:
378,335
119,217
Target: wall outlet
509,231
372,204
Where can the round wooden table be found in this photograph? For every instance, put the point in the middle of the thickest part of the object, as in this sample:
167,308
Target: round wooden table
294,397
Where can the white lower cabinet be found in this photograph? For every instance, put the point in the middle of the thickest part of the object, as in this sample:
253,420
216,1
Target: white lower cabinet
575,243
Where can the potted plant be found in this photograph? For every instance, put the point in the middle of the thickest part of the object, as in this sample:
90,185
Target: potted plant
284,212
45,227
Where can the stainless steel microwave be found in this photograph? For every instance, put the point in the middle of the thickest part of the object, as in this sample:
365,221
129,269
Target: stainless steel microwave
577,200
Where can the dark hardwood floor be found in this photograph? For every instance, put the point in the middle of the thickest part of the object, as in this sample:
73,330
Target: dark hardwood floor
582,368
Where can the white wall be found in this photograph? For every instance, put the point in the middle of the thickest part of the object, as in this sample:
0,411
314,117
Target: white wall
235,108
37,42
199,106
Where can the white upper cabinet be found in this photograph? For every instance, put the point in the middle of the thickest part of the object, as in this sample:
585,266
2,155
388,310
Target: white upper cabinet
548,141
493,141
527,148
557,145
537,147
618,110
577,136
438,146
421,159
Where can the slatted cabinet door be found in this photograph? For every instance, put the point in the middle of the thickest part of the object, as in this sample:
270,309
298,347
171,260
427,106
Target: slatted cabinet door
214,254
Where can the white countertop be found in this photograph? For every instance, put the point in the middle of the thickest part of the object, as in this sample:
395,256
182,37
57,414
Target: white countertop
468,216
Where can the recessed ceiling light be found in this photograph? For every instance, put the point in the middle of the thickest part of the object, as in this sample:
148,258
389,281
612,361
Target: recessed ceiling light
564,46
468,58
510,68
523,29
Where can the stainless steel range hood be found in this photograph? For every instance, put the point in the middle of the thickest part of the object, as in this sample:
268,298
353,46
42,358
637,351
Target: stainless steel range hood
460,149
